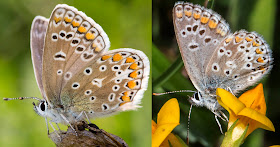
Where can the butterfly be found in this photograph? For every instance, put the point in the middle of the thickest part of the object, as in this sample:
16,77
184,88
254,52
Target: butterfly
78,77
216,58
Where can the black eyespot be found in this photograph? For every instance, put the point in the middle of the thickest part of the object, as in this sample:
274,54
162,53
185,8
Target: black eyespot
87,71
54,37
62,34
195,27
42,106
105,107
68,36
75,85
196,96
92,98
201,32
75,41
116,67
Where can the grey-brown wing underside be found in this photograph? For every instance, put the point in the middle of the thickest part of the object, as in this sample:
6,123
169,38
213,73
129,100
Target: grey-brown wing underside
37,38
198,31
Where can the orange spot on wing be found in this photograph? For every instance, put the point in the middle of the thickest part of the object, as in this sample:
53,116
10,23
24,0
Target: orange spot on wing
125,93
125,98
66,19
248,39
204,19
212,24
82,29
196,16
179,14
238,39
133,66
57,19
105,57
97,49
117,57
75,24
129,60
131,84
258,51
228,40
188,13
260,59
133,74
89,36
255,44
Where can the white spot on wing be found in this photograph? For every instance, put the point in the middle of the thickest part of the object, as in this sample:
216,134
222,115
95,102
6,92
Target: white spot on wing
97,82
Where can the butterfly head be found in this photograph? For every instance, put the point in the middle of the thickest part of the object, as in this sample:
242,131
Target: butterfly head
196,99
41,108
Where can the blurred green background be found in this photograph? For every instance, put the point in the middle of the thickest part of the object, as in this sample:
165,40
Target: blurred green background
126,22
253,15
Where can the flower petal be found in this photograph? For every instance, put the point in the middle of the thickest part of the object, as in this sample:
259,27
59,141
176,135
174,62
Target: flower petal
173,140
263,121
254,99
168,119
154,126
228,99
169,113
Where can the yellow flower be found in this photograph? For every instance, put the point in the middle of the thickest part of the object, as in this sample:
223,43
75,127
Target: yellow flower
168,118
249,109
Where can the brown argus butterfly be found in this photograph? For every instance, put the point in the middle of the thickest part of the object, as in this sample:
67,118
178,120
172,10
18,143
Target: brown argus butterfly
216,58
77,76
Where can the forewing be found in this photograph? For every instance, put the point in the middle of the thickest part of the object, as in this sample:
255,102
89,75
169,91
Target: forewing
37,37
72,41
110,83
240,60
198,31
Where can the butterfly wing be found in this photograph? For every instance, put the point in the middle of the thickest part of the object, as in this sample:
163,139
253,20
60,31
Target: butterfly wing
37,37
72,41
109,83
198,31
240,60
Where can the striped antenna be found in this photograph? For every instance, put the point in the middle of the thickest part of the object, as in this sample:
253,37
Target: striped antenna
157,94
21,98
188,130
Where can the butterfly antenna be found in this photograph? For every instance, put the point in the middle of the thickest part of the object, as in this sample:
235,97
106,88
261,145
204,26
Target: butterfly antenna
157,94
21,98
188,130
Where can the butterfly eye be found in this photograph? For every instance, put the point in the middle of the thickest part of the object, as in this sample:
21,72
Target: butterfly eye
42,106
196,96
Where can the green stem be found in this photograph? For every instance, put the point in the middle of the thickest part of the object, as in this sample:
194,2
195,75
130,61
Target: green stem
212,5
178,64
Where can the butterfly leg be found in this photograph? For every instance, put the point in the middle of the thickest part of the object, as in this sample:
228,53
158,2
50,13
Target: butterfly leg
220,126
55,131
87,117
69,123
46,120
58,127
224,115
81,114
229,89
